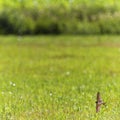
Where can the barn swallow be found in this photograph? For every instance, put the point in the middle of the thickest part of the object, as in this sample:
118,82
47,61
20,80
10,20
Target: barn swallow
99,102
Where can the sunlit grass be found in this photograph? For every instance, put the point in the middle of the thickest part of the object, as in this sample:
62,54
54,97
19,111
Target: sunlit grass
57,77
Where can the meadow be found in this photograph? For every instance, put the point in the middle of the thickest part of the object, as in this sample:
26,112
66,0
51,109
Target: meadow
58,77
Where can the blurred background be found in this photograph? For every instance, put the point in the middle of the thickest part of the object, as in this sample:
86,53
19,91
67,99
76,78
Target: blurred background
59,17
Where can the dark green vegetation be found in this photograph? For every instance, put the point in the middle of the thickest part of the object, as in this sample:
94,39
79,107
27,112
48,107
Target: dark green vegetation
58,77
78,17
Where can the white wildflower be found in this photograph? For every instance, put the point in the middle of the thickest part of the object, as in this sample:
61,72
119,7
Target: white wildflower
50,94
67,73
10,92
2,93
14,84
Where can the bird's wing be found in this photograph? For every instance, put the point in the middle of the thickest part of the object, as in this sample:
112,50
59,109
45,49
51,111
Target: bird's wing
98,97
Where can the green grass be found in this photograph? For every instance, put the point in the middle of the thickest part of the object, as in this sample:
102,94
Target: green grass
57,77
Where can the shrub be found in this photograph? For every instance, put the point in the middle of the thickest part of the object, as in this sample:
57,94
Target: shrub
60,20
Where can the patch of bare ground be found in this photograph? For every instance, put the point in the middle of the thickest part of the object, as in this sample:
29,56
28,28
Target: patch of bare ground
106,44
64,45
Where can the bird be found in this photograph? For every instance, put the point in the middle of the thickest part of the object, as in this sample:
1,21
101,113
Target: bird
99,102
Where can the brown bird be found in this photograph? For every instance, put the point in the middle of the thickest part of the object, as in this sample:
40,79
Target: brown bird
99,102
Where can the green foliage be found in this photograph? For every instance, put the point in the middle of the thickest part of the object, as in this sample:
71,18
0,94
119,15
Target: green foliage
15,22
110,26
82,19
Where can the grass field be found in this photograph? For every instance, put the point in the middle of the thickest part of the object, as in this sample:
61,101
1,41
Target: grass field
57,77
